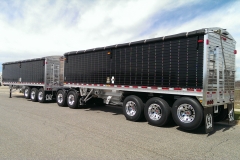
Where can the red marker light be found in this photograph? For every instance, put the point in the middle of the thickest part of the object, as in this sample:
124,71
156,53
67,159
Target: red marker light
207,42
235,51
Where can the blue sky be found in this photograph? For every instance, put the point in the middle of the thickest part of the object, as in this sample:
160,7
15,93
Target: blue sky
32,29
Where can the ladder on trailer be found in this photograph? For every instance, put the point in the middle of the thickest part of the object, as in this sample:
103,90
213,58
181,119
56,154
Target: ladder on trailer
54,77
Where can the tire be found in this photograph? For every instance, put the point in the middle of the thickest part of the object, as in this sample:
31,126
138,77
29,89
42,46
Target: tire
221,115
41,96
133,108
34,94
187,113
27,92
73,100
61,98
157,111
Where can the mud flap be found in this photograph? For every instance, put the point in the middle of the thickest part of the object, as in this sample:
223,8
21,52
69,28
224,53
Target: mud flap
208,119
230,113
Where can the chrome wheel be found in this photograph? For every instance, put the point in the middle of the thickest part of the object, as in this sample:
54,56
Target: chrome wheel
186,113
33,94
26,92
71,99
40,96
60,98
131,108
154,112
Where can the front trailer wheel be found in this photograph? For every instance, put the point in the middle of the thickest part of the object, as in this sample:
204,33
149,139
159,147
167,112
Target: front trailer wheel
157,111
34,94
187,113
73,100
133,108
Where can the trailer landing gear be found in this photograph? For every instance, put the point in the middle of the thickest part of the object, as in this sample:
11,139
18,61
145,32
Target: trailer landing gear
10,93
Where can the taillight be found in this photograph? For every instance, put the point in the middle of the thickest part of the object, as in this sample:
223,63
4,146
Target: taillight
207,42
200,41
235,51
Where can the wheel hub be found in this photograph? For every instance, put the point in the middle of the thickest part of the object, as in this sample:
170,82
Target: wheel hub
186,113
33,95
26,92
71,99
60,98
40,95
131,109
154,112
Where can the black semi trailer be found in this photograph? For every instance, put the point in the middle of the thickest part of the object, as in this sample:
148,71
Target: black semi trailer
189,75
39,78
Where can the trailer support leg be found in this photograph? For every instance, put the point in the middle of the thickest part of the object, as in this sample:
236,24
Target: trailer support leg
10,94
208,119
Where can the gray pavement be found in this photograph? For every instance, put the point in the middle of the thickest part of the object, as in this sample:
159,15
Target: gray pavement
30,130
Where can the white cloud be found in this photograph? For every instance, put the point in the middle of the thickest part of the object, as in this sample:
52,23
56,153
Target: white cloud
37,28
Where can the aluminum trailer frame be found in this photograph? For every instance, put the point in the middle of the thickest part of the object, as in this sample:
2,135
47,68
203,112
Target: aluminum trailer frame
46,73
213,91
189,75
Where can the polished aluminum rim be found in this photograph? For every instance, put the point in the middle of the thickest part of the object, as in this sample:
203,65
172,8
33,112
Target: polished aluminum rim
26,92
60,98
33,94
131,108
154,112
71,99
186,113
40,96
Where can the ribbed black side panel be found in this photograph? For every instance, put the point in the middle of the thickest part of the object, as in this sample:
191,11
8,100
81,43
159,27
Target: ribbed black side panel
30,71
170,63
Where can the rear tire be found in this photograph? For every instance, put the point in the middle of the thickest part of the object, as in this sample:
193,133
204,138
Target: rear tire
34,94
73,100
157,111
133,108
187,113
61,98
41,96
27,92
